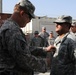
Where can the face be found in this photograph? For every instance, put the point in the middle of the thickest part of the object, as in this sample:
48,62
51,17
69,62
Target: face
25,18
73,29
44,30
51,34
60,28
36,35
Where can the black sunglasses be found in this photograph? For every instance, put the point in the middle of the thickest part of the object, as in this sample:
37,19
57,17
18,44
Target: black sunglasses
60,23
30,17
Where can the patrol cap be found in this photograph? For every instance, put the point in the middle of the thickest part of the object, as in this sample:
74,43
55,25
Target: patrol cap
29,6
51,32
43,27
36,32
73,24
63,19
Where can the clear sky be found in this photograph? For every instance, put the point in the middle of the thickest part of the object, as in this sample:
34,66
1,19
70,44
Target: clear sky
50,8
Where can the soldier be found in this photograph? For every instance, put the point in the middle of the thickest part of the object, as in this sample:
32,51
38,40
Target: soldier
64,58
51,38
15,55
44,35
50,41
37,40
73,31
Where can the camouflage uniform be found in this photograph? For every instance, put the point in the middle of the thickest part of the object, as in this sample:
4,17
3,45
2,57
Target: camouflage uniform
15,55
63,62
64,58
37,41
44,34
72,36
50,40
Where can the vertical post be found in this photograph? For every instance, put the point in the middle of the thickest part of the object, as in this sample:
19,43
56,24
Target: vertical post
0,6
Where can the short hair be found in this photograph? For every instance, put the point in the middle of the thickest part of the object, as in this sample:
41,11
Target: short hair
18,8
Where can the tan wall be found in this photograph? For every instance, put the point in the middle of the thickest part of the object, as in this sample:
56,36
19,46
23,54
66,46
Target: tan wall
37,24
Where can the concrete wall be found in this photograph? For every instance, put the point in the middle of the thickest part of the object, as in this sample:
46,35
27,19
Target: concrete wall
38,23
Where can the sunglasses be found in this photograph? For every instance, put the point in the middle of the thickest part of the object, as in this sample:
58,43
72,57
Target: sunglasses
30,17
72,26
60,23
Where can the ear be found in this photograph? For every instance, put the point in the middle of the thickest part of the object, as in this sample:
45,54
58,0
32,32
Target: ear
22,13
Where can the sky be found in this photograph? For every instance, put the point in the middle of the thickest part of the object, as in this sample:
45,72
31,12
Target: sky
49,8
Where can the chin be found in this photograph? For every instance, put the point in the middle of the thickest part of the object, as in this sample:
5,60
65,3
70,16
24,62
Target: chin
22,26
58,32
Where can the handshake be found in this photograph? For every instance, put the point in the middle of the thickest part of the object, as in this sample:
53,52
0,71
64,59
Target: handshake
42,51
50,48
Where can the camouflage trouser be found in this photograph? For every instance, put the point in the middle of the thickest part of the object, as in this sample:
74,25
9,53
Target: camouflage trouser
7,73
21,73
14,73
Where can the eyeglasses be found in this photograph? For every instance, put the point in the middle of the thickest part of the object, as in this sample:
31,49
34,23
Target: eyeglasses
60,23
44,29
30,17
72,26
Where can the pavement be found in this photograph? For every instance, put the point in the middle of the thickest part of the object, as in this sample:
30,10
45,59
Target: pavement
46,73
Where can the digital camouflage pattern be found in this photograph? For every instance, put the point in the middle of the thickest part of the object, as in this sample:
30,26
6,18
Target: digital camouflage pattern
37,41
64,58
14,51
44,34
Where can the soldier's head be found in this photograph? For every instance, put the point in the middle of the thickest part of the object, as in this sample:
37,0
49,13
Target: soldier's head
51,34
73,27
36,33
27,6
25,9
63,24
43,29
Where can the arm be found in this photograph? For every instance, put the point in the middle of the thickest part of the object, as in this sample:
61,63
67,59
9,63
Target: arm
19,50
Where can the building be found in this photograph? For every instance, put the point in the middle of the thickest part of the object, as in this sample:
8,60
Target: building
37,23
3,17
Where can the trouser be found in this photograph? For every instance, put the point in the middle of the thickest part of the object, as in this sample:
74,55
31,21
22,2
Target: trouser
8,73
15,73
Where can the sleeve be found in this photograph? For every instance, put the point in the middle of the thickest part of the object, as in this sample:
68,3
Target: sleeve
75,49
19,50
72,50
31,42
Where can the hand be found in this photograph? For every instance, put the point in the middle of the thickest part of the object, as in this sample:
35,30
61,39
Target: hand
51,48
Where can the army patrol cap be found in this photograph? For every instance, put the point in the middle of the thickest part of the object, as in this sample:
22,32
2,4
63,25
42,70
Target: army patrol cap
36,32
64,19
51,32
43,27
29,6
73,24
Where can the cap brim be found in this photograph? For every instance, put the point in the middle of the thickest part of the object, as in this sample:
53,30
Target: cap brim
59,21
73,25
32,15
